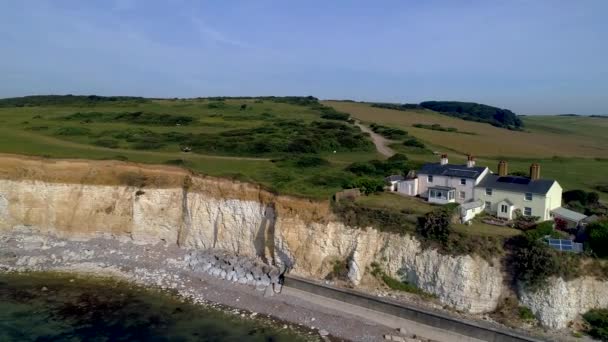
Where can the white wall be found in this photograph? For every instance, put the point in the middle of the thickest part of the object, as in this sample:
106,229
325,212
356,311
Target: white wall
408,187
453,182
541,205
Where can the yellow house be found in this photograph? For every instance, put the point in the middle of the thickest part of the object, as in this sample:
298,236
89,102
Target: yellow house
503,195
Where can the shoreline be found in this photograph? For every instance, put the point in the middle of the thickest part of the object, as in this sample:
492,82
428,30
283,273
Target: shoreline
165,267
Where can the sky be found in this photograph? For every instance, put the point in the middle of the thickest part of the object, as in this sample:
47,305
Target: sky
530,56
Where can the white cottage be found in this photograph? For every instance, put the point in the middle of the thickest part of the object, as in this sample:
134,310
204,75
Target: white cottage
448,183
503,194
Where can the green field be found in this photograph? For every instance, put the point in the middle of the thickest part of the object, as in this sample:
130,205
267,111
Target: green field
572,150
222,136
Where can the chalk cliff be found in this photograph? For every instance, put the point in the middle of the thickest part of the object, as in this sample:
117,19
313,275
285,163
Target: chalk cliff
81,199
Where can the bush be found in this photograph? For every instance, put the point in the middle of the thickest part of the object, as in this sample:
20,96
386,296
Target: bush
541,230
389,132
525,313
73,131
109,143
598,238
367,185
384,220
140,118
533,263
434,225
598,321
413,142
335,116
396,284
339,270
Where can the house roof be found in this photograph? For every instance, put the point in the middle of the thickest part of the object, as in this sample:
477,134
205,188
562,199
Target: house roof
452,170
440,187
516,184
568,214
506,200
472,205
394,178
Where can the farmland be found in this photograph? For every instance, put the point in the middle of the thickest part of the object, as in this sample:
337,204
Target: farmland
573,150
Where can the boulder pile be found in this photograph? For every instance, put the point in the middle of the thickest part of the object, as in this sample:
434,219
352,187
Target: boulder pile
236,268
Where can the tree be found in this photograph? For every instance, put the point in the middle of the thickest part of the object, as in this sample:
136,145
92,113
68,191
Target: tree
434,225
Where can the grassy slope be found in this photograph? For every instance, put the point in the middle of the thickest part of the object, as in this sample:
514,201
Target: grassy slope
16,136
573,150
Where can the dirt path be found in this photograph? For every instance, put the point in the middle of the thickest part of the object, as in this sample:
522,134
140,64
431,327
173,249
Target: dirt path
380,141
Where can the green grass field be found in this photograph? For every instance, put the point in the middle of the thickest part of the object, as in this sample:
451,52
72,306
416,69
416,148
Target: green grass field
45,131
572,150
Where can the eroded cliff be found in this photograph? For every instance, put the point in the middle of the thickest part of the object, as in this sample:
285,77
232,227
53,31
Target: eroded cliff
81,199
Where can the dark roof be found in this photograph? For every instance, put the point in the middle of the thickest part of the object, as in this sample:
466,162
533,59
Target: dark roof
516,184
451,170
394,178
439,187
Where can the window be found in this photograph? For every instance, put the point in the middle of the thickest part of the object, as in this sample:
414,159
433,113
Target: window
462,194
463,181
432,195
450,195
528,211
504,208
489,191
429,178
528,196
488,206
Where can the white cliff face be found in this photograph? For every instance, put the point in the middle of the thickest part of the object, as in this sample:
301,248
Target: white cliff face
251,226
562,301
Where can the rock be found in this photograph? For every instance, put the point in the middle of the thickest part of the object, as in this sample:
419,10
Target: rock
323,332
268,292
44,289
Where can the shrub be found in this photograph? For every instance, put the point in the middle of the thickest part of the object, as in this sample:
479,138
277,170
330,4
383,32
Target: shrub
532,262
382,219
523,222
367,185
525,313
339,270
175,162
413,142
396,284
598,321
434,225
389,132
541,230
335,116
73,131
598,238
109,143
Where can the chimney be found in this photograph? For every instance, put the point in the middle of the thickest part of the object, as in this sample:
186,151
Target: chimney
534,171
444,159
470,161
503,169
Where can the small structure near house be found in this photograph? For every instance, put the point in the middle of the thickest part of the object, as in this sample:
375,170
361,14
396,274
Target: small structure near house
572,218
565,245
470,209
393,181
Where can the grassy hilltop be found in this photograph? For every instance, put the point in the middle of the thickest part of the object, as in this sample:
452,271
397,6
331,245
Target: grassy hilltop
573,150
286,144
294,145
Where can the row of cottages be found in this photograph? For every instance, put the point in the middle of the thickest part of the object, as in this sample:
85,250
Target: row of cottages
477,189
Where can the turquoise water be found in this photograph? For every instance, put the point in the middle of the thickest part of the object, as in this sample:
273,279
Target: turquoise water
50,307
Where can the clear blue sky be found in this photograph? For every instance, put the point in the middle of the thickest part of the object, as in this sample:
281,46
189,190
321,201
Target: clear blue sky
530,56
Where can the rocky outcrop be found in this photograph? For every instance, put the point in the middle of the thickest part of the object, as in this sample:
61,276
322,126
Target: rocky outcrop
562,301
235,268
